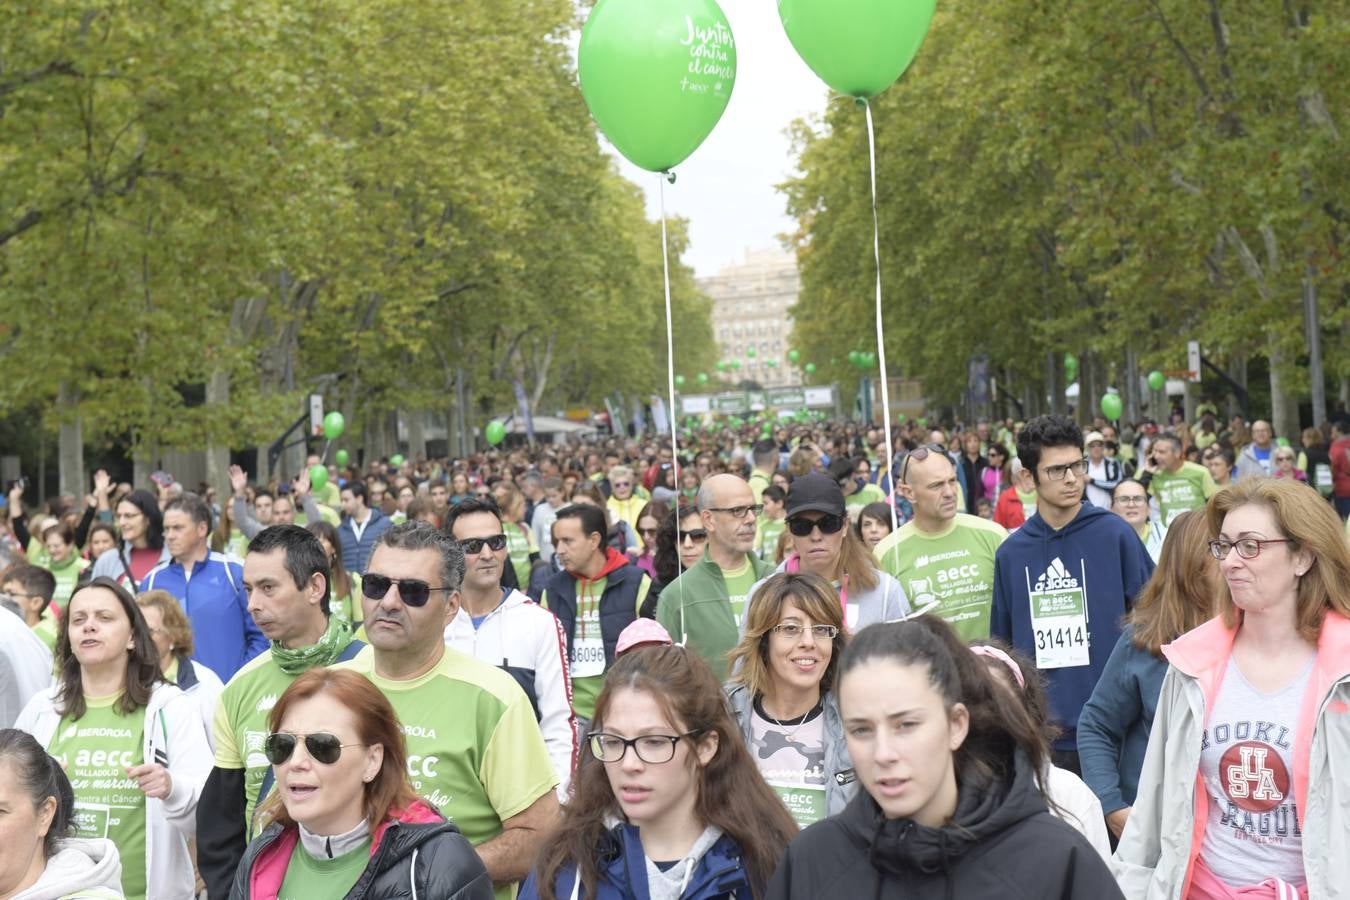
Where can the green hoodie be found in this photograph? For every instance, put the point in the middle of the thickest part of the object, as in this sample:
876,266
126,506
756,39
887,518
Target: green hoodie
696,609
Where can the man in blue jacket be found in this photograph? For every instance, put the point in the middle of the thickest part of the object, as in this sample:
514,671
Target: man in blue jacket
1064,580
361,527
210,586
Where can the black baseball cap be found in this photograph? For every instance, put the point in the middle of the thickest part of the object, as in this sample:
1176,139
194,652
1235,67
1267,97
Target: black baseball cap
815,492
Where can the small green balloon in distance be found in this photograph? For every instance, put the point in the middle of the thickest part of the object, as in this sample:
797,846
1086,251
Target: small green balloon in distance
771,363
396,460
333,425
735,363
679,381
854,357
750,352
722,365
810,368
702,377
901,418
1111,406
794,356
923,423
1157,380
495,432
1282,442
318,476
857,47
342,457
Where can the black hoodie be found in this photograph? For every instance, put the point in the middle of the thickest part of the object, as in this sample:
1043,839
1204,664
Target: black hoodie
1002,843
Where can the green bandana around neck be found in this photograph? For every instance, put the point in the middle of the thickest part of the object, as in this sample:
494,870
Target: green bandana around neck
323,653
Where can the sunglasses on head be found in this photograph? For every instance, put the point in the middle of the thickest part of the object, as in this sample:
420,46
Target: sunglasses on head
919,454
474,546
828,524
411,591
321,746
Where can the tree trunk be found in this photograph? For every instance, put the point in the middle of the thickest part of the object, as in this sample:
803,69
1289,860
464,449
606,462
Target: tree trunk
218,457
70,444
1283,406
417,433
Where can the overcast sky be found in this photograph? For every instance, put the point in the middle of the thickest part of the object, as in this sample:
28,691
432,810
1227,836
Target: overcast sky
726,188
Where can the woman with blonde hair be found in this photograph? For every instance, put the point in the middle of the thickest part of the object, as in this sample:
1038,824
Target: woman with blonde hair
781,694
1242,790
171,633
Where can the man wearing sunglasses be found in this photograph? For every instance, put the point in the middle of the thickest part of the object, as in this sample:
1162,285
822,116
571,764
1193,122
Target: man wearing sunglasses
1065,579
474,748
504,628
942,554
287,581
595,596
704,607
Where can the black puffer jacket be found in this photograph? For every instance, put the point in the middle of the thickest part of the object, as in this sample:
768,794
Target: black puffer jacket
1002,843
415,855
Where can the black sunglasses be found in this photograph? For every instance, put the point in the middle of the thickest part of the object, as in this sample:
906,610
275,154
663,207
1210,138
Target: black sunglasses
828,524
697,535
474,546
411,591
322,747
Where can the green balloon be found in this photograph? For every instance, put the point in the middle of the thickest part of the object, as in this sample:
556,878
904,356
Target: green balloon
855,357
495,432
901,419
1111,406
702,377
810,368
794,356
722,366
334,425
857,47
679,381
750,352
736,364
1282,442
656,76
318,476
396,460
771,363
1157,380
342,457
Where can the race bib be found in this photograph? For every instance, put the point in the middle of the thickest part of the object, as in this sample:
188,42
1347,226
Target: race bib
1322,476
1059,624
588,657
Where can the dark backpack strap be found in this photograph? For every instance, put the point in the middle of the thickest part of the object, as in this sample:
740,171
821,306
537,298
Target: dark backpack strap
350,651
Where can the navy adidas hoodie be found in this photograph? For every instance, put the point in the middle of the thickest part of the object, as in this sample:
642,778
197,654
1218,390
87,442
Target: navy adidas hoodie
1097,552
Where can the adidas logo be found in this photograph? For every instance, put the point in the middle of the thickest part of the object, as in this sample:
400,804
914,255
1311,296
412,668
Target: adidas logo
1055,577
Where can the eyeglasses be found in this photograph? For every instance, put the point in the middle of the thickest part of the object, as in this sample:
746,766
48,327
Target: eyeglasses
828,524
1057,473
322,746
1131,501
411,591
474,546
646,531
1247,548
697,535
794,630
919,454
738,512
653,749
620,484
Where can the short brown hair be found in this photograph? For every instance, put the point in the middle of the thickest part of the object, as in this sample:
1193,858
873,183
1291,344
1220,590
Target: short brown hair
816,597
1309,523
175,620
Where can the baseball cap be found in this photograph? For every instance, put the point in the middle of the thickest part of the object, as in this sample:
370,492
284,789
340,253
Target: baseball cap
639,632
1093,436
815,492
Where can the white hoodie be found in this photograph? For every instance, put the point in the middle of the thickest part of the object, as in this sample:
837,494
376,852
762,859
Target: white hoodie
82,869
528,641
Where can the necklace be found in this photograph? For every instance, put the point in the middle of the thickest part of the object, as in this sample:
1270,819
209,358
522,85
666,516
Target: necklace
790,728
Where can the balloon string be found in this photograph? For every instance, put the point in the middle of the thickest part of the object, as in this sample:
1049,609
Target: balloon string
670,388
881,329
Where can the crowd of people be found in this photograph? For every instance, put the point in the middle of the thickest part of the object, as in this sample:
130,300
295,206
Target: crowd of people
779,660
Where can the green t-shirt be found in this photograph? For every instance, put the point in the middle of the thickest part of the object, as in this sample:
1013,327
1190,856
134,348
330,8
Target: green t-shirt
868,493
739,581
46,629
348,608
67,575
96,750
1185,489
475,751
240,725
519,545
766,542
586,666
311,878
955,567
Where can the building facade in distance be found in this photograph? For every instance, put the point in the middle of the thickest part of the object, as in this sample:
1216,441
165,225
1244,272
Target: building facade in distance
750,309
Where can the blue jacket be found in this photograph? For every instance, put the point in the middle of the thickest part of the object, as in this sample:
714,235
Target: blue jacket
1097,552
623,872
355,554
1114,725
223,633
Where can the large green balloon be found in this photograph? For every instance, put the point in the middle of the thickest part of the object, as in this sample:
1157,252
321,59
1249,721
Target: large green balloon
1111,406
1157,380
342,457
495,432
334,425
793,356
318,476
857,47
656,76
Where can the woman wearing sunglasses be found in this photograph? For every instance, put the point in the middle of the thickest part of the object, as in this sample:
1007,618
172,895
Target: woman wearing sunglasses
132,744
1243,790
666,801
344,819
782,695
675,552
824,544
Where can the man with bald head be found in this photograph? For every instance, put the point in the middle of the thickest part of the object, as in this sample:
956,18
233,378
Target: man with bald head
1255,458
702,609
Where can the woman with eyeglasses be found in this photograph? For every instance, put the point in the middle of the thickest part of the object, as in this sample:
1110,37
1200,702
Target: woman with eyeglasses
1243,790
1129,500
141,525
1285,465
784,670
824,544
666,802
672,558
344,821
132,744
648,525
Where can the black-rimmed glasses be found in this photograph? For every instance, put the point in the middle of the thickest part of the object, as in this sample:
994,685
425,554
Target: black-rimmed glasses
653,749
738,512
1078,467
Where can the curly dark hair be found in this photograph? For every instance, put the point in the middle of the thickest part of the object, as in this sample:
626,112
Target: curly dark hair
1042,433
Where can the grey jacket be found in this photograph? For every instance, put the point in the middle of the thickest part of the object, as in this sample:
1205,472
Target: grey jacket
1249,466
884,603
841,781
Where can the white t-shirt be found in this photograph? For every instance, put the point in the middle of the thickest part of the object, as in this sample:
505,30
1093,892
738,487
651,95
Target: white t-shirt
791,757
1247,763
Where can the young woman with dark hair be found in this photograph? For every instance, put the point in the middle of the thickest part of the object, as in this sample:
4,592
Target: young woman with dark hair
141,526
345,600
132,743
345,821
666,801
950,805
